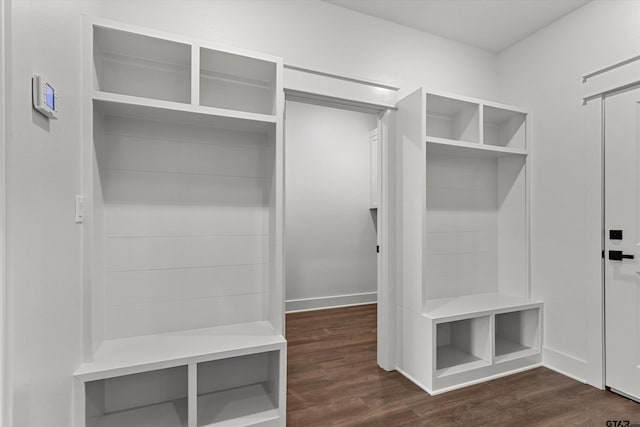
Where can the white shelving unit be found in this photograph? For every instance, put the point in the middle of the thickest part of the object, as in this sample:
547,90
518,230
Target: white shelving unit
182,262
466,313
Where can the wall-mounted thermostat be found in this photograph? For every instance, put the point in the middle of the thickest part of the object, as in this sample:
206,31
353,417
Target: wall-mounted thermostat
44,97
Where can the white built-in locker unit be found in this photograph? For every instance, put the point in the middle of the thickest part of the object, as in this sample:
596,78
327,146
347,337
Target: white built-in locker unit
182,265
464,307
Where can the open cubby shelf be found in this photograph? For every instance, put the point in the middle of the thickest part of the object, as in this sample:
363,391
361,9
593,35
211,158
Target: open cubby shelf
145,399
236,82
504,128
135,64
462,345
454,127
517,334
454,359
238,391
452,119
182,246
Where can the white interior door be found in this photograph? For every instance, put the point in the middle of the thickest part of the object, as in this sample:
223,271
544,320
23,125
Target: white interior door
386,245
622,251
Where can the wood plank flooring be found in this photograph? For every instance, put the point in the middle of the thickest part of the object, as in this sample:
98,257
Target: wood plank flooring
334,380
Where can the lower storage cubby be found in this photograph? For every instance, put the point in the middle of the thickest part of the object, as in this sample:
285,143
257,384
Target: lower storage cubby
241,390
149,399
517,334
476,338
462,345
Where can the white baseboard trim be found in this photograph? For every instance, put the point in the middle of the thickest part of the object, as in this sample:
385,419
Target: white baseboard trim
565,364
415,381
468,383
323,303
485,379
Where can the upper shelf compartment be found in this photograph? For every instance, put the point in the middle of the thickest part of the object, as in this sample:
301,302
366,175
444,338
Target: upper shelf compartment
462,126
452,119
133,64
504,128
237,82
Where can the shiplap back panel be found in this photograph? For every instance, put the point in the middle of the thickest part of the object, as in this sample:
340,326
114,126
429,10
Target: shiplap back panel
512,234
185,224
461,226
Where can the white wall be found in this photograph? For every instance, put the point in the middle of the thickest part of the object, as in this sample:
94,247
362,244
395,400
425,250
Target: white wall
319,35
43,242
3,132
43,164
330,236
543,74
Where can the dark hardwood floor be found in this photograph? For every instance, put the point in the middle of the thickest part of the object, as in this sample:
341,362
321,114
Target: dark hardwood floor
333,380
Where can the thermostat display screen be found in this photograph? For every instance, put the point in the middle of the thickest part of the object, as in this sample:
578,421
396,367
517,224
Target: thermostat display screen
44,96
49,97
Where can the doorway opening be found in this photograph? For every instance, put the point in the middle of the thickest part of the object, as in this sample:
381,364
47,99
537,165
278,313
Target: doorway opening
336,217
330,219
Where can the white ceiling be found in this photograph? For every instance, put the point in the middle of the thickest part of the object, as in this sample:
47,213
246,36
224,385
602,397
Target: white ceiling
493,25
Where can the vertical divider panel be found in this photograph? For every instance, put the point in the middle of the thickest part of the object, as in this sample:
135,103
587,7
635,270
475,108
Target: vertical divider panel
79,404
481,123
527,210
434,348
282,382
195,74
275,250
492,338
192,396
86,185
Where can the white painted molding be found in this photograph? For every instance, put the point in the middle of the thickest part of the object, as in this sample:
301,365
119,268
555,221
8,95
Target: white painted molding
386,216
416,382
599,84
301,83
608,68
343,77
565,364
620,76
469,383
594,273
4,28
322,303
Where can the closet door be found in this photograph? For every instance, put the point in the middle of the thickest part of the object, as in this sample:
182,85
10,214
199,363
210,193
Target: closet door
622,240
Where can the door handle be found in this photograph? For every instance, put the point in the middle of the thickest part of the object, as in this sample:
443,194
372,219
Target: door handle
619,256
